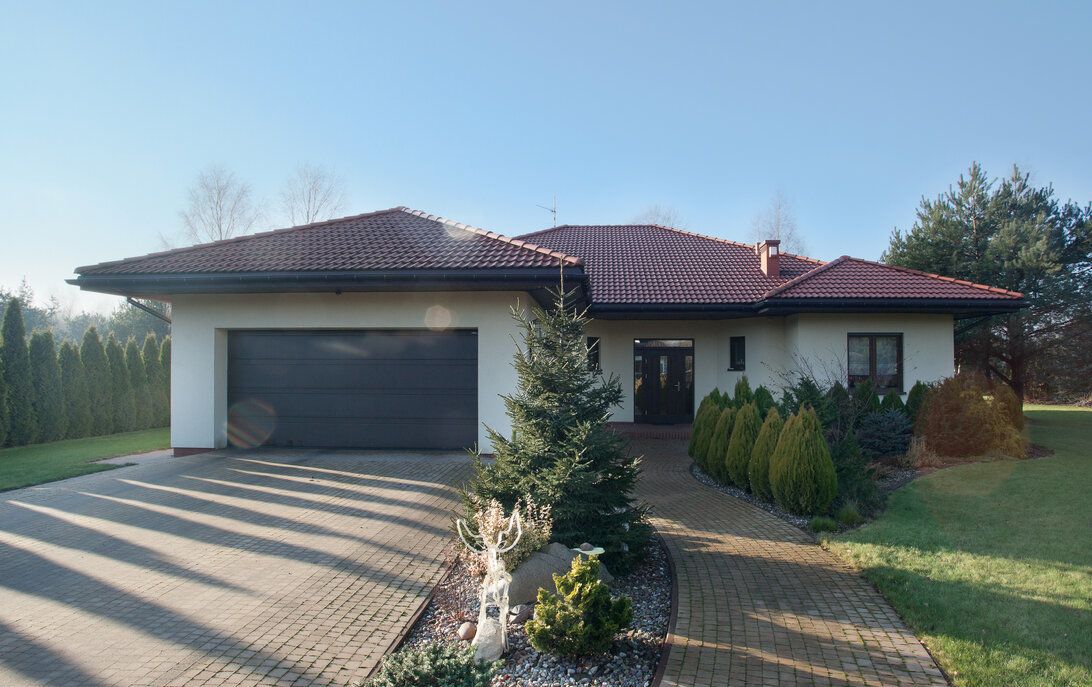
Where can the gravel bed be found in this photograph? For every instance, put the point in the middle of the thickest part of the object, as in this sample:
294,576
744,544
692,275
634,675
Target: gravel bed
896,478
771,508
631,662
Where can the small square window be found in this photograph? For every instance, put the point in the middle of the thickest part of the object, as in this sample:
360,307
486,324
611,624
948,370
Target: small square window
737,353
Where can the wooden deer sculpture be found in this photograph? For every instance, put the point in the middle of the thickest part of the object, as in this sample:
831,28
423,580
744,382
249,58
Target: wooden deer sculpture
491,638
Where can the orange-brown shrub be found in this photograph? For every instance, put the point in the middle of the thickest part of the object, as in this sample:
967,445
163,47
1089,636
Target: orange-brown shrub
966,416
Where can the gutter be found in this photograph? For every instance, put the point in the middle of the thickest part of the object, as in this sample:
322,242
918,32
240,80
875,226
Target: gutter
151,311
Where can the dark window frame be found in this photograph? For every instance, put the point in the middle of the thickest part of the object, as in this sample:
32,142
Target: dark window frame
898,387
732,366
595,364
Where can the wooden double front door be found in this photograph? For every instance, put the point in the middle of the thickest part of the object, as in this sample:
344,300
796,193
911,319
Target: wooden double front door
663,381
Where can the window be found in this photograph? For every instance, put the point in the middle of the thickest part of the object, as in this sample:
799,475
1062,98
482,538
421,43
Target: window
737,354
593,354
877,357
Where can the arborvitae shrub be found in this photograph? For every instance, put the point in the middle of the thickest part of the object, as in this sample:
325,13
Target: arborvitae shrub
960,419
764,400
22,425
893,401
865,399
841,413
705,437
884,434
75,399
701,417
742,394
157,390
5,416
435,664
165,364
856,480
143,412
914,401
745,431
718,444
100,388
802,475
758,470
124,410
806,392
582,618
45,376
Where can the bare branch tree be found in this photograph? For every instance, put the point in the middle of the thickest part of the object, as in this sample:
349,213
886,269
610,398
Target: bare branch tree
313,194
778,221
664,215
220,207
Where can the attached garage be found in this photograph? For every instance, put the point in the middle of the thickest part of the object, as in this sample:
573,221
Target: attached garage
364,389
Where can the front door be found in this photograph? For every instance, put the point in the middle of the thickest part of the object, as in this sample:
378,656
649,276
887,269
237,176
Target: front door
663,380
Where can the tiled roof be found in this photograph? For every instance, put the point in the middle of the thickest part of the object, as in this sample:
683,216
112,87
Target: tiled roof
646,263
849,277
395,239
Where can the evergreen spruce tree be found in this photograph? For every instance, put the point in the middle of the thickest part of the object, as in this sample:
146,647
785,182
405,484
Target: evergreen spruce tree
758,470
100,389
124,409
561,450
74,398
154,374
893,401
165,365
45,375
22,425
138,380
738,456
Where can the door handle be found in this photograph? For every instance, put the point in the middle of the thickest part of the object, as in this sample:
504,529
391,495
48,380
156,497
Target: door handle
678,386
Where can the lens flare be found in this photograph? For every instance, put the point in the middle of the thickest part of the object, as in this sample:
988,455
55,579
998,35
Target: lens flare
251,423
437,317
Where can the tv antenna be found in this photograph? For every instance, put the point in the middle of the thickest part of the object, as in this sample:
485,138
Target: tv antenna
551,209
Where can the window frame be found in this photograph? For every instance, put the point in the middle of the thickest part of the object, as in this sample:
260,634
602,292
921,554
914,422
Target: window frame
898,388
732,367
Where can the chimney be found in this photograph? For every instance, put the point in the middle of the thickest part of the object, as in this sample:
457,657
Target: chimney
769,257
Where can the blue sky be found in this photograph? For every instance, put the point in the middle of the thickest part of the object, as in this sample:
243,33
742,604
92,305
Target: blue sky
481,111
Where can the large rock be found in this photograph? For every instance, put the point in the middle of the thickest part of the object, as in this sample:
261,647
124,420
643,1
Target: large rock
537,572
488,645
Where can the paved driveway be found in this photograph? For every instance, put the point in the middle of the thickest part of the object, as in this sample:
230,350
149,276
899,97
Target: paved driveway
233,568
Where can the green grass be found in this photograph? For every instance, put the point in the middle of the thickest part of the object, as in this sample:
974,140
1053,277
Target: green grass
29,465
991,563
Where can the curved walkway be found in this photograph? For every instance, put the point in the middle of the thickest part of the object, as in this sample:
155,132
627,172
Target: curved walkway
759,603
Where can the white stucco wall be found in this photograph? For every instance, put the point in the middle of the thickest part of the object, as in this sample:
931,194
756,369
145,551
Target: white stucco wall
199,344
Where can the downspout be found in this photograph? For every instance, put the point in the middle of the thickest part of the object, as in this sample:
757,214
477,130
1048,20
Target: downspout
151,311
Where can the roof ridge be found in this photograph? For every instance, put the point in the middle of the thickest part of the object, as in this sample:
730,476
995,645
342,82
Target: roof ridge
519,243
684,232
805,276
235,239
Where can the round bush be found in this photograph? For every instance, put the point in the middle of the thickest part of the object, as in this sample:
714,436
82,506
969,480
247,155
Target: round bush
582,618
758,470
738,456
802,475
962,417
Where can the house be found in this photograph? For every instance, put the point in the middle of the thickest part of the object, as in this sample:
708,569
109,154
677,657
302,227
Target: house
392,329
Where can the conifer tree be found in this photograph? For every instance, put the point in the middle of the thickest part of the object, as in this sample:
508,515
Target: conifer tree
703,416
717,447
561,450
45,376
802,475
74,397
742,394
22,425
154,374
124,411
138,381
758,470
764,400
5,417
738,456
165,365
100,389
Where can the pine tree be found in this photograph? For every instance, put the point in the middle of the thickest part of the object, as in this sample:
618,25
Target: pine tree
100,389
45,376
738,457
154,374
165,365
138,381
124,408
22,425
561,449
758,470
74,397
802,475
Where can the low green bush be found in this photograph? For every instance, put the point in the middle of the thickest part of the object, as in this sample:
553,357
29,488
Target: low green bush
884,434
849,514
718,444
758,470
737,458
822,523
582,618
802,475
435,664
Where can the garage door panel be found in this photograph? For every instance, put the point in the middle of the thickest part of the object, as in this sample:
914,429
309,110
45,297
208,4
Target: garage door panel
396,389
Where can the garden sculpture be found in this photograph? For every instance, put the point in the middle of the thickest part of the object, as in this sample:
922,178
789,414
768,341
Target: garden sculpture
491,639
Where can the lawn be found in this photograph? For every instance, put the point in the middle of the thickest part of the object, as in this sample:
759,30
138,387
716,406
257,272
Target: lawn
991,563
29,465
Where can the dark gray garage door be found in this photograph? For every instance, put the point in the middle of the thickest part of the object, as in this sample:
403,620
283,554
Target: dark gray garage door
401,389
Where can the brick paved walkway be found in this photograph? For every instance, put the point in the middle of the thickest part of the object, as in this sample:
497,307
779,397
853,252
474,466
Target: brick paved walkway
266,568
759,602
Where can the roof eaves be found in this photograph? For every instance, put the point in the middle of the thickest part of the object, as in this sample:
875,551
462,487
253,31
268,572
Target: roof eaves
519,243
953,280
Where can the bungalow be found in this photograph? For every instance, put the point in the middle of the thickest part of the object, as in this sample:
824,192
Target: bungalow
392,329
